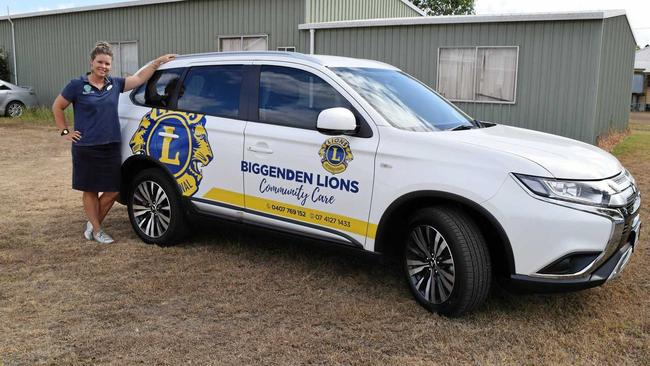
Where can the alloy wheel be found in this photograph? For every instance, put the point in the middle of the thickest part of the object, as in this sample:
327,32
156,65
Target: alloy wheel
15,110
430,264
151,209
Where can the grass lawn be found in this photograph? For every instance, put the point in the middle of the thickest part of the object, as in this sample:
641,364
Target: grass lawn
236,295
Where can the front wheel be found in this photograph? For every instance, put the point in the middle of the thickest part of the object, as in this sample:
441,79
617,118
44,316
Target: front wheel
155,208
14,109
446,261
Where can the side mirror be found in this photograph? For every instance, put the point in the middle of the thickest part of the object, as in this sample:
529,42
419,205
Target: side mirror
336,121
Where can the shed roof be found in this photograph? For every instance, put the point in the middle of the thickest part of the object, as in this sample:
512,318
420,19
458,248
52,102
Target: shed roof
456,19
124,4
468,19
127,4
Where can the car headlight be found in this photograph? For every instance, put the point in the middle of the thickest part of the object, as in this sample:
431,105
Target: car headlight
596,193
630,177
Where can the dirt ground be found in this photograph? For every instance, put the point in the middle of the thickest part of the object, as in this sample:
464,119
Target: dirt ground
235,295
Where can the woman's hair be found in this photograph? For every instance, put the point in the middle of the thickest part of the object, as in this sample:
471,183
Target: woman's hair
101,48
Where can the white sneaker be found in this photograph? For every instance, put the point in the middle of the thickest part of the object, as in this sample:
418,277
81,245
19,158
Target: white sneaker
88,233
102,238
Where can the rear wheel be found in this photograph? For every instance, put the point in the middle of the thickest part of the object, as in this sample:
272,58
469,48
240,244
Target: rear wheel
155,208
14,109
446,261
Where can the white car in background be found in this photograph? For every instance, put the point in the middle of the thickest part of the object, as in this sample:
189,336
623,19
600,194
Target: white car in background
358,153
15,99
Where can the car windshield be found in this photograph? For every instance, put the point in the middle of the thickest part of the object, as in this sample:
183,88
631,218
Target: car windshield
403,101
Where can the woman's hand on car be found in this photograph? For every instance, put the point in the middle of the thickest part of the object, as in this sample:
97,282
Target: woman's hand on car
165,58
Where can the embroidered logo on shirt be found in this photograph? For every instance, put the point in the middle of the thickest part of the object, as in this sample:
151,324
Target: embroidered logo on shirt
87,89
178,140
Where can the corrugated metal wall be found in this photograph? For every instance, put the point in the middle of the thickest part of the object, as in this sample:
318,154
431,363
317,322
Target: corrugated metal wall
573,76
333,10
616,66
557,74
53,49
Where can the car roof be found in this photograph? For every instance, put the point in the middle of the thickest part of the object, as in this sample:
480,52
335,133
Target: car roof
301,58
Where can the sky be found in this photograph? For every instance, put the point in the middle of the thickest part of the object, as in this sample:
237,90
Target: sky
638,11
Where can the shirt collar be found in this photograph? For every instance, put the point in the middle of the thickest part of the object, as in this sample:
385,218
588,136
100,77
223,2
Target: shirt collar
107,79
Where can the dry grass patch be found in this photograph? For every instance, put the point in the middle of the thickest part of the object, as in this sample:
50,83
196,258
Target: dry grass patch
236,295
613,138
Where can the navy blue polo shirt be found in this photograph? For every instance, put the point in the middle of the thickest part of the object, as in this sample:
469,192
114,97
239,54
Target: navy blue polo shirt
95,110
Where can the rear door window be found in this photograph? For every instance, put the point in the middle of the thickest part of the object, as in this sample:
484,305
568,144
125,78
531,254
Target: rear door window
159,90
213,90
294,97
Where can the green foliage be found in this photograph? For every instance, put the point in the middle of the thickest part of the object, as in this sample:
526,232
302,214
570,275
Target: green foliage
4,65
39,115
637,144
445,7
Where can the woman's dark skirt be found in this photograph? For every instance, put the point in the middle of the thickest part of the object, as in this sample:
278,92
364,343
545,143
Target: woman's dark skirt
96,168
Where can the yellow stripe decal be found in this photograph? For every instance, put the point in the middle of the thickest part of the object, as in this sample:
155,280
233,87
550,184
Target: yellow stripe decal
299,213
223,196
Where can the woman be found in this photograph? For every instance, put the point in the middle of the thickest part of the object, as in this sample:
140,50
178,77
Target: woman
96,160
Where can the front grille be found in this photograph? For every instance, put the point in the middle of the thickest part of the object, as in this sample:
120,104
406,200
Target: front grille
629,213
626,233
630,205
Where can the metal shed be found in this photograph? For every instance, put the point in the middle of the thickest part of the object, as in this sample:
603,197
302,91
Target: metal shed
571,71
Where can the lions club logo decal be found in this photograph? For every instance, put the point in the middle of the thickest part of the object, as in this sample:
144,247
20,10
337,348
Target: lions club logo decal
179,140
335,154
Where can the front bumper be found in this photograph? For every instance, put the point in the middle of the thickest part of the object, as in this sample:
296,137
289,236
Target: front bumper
608,270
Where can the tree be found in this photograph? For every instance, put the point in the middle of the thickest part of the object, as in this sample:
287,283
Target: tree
445,7
4,65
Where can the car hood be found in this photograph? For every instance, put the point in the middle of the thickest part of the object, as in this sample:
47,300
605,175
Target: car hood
564,158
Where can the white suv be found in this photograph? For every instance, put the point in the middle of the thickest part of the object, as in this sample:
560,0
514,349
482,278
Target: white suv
358,153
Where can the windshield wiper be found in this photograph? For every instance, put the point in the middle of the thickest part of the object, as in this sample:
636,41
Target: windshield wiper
461,128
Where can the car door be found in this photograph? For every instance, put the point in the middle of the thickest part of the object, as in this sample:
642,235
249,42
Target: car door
193,128
298,178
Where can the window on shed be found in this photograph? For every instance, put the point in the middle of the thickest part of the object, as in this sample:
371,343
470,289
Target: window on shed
294,98
159,90
287,49
212,90
496,71
125,58
243,43
456,73
478,74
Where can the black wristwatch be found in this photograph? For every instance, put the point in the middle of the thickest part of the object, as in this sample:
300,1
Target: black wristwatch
65,132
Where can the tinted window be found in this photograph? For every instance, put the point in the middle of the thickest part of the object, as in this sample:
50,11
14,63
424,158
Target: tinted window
293,97
157,92
212,90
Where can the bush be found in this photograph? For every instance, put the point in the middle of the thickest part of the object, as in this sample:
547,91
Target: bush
4,65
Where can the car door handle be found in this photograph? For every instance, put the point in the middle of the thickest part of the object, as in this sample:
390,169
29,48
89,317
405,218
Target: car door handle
260,149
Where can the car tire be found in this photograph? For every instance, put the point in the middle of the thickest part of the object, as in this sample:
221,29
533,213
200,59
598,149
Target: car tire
155,208
446,261
14,109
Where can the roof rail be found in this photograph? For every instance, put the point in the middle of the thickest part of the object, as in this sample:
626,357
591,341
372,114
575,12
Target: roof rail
290,55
